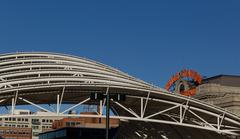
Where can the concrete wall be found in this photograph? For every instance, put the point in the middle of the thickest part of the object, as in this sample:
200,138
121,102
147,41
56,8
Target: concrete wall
226,97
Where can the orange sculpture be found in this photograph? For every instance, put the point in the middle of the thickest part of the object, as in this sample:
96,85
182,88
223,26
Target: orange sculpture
188,76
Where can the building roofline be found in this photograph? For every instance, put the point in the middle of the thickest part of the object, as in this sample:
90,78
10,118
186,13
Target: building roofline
222,75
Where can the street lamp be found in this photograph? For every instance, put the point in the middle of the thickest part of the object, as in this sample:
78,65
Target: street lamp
107,96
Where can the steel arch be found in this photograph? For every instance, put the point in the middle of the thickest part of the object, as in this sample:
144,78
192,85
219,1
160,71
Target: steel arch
30,78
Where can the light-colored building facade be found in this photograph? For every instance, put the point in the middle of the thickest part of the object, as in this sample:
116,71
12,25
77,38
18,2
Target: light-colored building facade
35,124
222,91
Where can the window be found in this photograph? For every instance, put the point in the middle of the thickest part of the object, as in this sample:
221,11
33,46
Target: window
78,124
35,133
35,127
35,120
72,123
68,124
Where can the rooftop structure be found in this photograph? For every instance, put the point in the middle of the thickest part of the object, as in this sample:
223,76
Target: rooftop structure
38,79
222,91
224,80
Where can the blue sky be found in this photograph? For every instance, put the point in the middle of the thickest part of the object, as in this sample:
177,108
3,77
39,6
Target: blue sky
150,40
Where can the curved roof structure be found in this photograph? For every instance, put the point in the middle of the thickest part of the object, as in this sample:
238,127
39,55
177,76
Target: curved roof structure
44,78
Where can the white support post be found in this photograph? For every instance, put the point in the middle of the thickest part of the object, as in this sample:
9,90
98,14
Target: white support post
58,107
100,107
146,104
31,103
104,101
220,120
14,101
80,103
12,110
185,110
16,96
60,103
181,114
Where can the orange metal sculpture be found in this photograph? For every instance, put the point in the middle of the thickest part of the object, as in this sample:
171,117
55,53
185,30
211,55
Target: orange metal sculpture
190,74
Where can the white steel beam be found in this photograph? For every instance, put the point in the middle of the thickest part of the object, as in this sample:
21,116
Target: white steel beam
193,108
100,107
61,99
162,111
58,105
146,103
31,103
184,112
12,109
104,100
14,101
2,100
225,131
80,103
172,118
201,119
130,111
220,120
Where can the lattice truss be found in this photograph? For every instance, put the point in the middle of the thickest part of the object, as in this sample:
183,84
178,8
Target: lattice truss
45,78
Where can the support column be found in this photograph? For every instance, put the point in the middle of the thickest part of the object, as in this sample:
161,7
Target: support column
107,114
31,103
181,114
14,101
58,105
141,107
100,108
13,106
